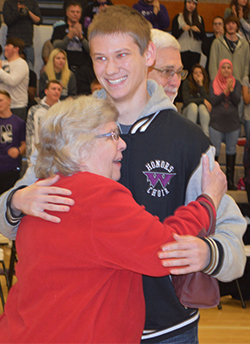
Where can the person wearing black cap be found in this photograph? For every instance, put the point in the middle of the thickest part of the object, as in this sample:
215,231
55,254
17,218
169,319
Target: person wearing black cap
188,27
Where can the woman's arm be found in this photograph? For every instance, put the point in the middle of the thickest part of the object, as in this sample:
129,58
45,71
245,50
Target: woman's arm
176,31
236,94
214,99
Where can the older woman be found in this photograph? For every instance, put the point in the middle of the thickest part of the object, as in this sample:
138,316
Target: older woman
80,281
57,68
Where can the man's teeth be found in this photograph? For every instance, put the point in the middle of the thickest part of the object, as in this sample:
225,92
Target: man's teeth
117,81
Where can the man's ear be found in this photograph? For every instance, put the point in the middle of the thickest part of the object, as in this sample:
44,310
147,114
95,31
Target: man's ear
150,54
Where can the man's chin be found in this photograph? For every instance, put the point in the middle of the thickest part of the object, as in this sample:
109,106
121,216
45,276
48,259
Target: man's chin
172,96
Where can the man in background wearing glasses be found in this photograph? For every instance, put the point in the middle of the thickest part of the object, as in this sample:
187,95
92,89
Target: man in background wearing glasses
167,69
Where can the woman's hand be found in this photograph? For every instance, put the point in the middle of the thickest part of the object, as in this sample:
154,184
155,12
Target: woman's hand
195,28
208,105
186,28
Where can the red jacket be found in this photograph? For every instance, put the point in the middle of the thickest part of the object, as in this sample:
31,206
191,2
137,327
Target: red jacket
80,281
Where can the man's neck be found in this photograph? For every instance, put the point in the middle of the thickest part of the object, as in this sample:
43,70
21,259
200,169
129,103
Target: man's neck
232,37
6,114
50,102
129,111
13,58
70,23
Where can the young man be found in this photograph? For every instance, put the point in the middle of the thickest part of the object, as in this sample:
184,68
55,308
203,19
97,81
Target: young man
14,76
36,113
12,143
231,47
161,167
20,17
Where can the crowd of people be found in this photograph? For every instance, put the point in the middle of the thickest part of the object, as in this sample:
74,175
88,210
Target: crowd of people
75,147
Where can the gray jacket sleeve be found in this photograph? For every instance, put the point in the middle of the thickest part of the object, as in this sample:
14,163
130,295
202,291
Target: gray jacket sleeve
230,227
213,63
6,228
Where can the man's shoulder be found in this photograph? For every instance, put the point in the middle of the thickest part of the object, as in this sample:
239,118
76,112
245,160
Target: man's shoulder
17,120
61,28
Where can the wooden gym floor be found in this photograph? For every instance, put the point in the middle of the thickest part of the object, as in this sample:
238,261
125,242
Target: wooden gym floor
230,325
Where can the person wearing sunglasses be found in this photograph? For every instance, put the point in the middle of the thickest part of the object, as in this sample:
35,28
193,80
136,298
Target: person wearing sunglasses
75,274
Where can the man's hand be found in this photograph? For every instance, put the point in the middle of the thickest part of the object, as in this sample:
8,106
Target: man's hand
36,198
13,152
190,252
156,5
214,183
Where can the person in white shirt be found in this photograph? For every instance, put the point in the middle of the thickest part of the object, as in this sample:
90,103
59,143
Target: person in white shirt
14,76
37,112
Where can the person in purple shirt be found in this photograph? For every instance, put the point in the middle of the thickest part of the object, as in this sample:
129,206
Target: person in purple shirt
154,12
12,144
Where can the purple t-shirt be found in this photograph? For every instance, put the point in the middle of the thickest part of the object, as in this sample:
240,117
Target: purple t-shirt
12,131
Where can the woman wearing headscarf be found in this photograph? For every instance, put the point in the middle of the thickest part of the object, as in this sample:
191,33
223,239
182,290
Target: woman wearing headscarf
225,94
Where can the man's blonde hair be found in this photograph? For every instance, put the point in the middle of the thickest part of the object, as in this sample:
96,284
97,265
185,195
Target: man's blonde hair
124,20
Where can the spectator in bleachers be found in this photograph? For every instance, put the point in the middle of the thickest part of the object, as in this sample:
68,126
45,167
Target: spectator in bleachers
241,9
167,69
37,113
14,76
154,12
225,94
57,69
246,98
46,50
12,143
218,29
20,16
196,102
94,8
70,37
83,3
232,47
188,27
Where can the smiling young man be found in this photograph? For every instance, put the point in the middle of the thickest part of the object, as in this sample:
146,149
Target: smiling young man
161,167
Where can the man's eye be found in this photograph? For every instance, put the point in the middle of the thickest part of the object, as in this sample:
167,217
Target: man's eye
100,58
122,54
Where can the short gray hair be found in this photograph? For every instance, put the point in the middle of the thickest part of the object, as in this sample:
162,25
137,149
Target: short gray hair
67,134
163,39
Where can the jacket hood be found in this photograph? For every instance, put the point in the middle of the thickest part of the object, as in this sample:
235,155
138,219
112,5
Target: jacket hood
158,99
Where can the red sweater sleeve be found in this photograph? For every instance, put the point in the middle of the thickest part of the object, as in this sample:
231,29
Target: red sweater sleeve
127,236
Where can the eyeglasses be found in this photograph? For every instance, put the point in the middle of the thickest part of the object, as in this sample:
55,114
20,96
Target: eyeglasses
115,135
169,73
